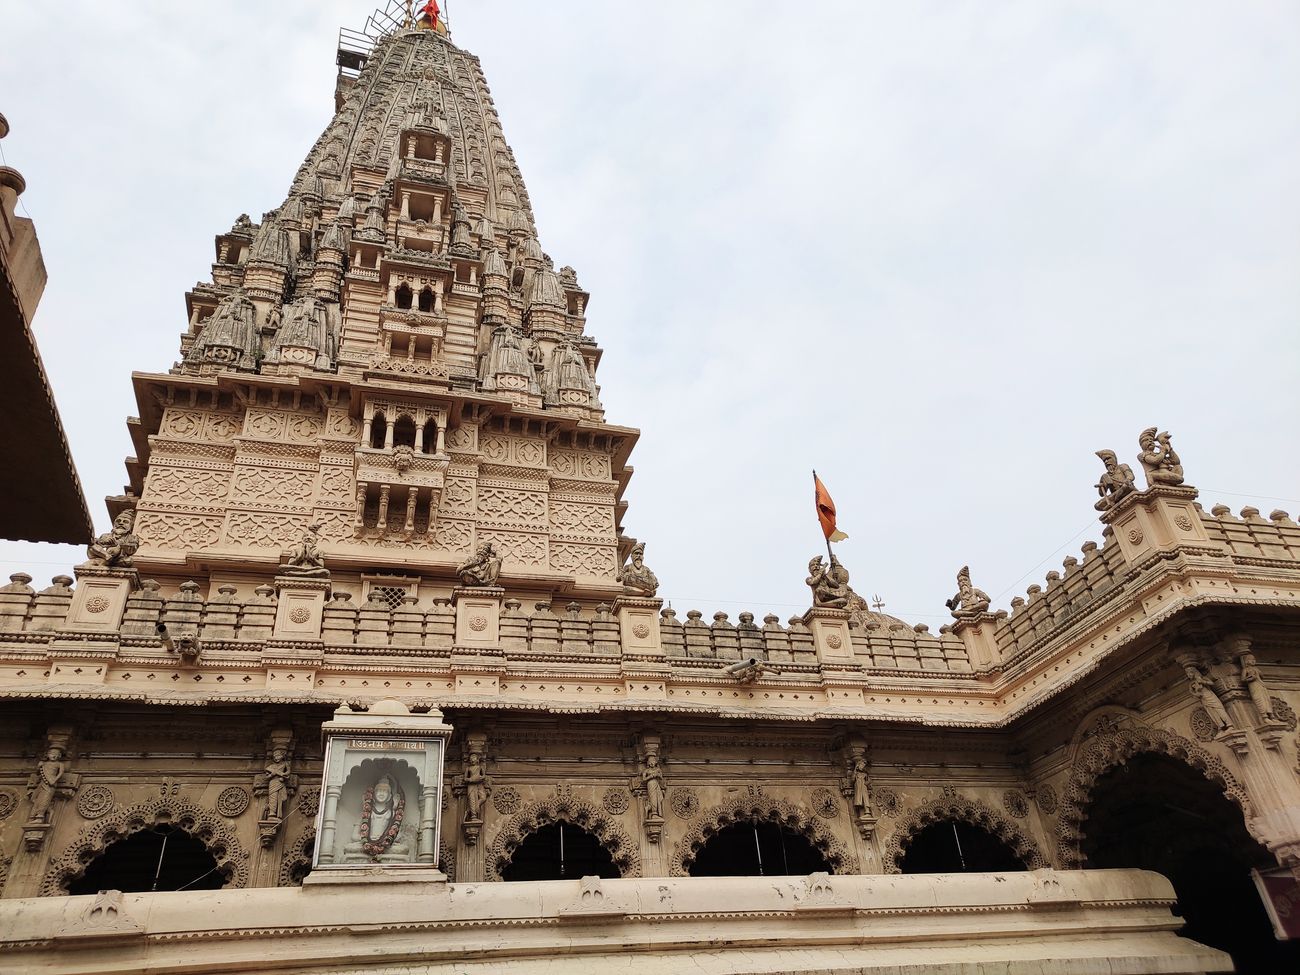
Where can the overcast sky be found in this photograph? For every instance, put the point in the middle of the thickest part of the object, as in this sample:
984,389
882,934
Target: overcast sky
942,252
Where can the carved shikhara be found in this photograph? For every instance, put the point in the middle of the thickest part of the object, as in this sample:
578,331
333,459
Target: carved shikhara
1108,749
962,809
215,833
623,849
746,807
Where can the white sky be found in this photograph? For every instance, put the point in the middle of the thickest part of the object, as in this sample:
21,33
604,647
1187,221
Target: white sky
940,251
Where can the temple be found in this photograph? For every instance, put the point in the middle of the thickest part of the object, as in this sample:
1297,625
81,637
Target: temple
368,676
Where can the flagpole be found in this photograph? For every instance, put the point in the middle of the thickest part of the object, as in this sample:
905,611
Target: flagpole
829,553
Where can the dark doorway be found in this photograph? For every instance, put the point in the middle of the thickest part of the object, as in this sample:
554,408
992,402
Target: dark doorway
950,846
757,849
1158,814
560,851
162,858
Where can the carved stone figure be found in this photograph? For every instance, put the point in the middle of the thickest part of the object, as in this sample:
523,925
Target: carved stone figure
1158,459
230,338
861,785
305,559
1203,692
968,601
652,780
277,784
830,588
114,548
307,336
476,785
1116,481
480,569
1254,684
44,784
636,578
383,809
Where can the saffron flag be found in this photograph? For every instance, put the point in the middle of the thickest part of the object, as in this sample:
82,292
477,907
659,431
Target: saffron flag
431,11
826,511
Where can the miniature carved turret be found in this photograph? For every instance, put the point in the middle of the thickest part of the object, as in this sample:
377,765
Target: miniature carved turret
229,339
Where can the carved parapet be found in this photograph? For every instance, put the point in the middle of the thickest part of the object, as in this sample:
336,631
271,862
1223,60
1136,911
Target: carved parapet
99,600
1159,518
830,631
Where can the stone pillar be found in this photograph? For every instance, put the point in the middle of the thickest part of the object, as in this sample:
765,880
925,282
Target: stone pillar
299,609
478,615
976,631
382,522
830,631
1158,519
99,600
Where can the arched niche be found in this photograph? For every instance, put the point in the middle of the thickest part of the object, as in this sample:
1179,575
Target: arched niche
758,848
161,858
761,807
215,833
623,850
960,809
403,295
956,846
404,432
561,850
1156,812
365,775
378,431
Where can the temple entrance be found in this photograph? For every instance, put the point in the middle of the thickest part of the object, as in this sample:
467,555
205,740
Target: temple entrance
1158,814
559,851
757,848
157,859
952,846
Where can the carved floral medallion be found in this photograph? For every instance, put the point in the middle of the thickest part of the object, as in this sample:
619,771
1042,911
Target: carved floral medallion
685,803
232,801
506,800
616,801
94,801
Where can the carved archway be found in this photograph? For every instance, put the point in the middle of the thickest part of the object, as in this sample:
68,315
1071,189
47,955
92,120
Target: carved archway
622,848
215,833
1107,746
744,808
296,861
963,809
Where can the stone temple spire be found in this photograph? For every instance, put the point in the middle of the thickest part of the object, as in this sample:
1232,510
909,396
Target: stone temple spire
396,318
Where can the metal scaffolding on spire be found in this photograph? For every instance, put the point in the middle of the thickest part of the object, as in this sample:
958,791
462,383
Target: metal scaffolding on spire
355,45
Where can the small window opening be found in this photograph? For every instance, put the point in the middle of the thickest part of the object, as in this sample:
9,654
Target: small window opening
378,431
426,299
403,296
430,436
404,432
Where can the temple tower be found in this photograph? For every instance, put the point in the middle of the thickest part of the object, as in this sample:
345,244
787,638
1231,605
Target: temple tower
391,355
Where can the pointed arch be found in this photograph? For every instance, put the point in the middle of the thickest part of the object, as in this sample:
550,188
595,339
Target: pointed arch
1105,744
744,808
963,809
620,845
214,832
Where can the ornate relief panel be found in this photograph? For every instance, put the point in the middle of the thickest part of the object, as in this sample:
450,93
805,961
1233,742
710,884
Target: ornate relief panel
592,560
169,530
582,464
500,506
526,551
502,449
179,485
264,529
570,521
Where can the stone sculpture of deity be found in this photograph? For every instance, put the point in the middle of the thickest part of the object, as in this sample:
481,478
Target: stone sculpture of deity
45,783
113,549
637,579
1158,459
861,786
1203,693
1116,481
1254,683
305,559
383,809
475,781
969,601
277,784
480,569
652,780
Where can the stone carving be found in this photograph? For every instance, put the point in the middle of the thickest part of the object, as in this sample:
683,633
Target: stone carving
8,803
94,801
1202,691
824,803
616,801
1284,713
961,809
309,801
685,803
229,337
888,802
860,786
1183,522
263,529
97,604
1203,727
277,773
114,548
756,804
383,809
295,864
182,485
218,836
178,531
480,569
232,801
476,785
1116,481
261,484
307,336
1254,684
105,915
506,800
652,786
1158,459
305,559
592,560
1014,801
46,783
1045,796
968,601
831,590
635,576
